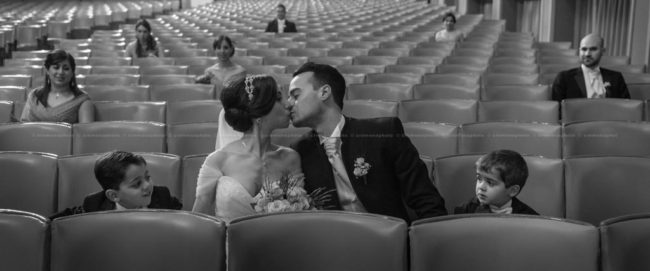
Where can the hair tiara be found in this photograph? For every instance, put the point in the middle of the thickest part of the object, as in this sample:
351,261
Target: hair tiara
248,85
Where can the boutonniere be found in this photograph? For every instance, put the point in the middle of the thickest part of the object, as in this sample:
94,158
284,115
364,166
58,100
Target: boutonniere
361,167
606,84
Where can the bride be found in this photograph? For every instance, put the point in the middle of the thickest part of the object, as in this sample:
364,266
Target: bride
233,175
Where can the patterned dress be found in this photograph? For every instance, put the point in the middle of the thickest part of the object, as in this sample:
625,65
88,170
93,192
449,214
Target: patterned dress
65,112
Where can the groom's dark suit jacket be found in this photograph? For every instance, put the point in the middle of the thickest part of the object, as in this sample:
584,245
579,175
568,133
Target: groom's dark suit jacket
289,27
396,176
571,84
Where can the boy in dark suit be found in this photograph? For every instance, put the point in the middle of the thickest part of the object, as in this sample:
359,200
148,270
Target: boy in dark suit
369,164
281,24
500,176
126,185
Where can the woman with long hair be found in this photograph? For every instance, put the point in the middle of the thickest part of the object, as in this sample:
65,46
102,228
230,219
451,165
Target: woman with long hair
60,99
145,44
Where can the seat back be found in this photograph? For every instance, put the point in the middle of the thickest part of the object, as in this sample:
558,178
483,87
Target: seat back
191,166
624,241
441,111
77,177
467,79
550,244
370,109
287,136
498,79
117,93
163,69
130,240
432,139
525,138
193,111
519,111
455,177
29,183
6,111
182,92
516,93
24,238
169,79
135,136
440,91
130,111
13,93
49,137
574,110
191,138
111,79
379,242
387,91
606,138
598,188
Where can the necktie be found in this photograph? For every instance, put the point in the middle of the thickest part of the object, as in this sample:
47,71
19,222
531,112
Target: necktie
598,91
347,196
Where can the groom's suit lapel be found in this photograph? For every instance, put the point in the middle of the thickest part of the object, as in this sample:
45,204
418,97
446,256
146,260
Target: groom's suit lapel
352,148
318,163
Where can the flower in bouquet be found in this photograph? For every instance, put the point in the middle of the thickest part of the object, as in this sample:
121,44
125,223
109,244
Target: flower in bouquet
288,194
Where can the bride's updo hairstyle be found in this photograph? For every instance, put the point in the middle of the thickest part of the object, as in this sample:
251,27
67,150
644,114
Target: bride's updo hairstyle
248,98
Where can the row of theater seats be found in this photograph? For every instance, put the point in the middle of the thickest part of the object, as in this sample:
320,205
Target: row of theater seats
589,189
431,139
175,104
166,240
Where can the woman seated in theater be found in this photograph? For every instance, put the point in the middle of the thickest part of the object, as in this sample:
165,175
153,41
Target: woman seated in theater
145,44
449,33
224,70
233,175
60,99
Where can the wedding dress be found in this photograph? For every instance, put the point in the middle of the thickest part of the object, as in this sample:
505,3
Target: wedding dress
226,195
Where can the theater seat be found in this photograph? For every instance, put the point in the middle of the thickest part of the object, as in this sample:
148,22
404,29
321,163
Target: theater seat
574,110
6,111
105,70
182,92
516,93
193,111
29,183
450,243
76,177
525,138
606,138
624,241
440,91
466,79
387,91
13,93
379,242
111,80
130,240
130,111
24,238
433,139
332,60
49,137
519,111
397,78
455,178
191,166
191,138
287,136
496,79
369,109
170,79
598,188
105,136
440,111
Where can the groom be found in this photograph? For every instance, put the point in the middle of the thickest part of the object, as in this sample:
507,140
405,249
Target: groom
370,163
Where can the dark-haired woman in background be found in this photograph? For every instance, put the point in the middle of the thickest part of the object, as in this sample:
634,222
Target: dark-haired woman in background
60,99
224,70
145,44
233,175
449,33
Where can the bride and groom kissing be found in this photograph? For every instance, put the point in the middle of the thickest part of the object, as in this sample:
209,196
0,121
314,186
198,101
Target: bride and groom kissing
364,165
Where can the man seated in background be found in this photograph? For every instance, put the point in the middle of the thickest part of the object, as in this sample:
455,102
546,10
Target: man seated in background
590,80
500,177
281,24
126,184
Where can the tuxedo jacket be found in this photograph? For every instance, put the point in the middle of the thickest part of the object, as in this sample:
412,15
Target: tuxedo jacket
571,84
288,26
474,206
161,198
396,176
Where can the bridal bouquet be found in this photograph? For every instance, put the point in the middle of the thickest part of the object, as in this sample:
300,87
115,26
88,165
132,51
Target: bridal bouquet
288,194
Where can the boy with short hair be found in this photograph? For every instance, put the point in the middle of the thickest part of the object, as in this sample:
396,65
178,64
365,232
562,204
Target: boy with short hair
126,184
500,176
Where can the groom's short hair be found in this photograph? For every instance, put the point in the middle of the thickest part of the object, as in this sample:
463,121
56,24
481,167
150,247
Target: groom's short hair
325,75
